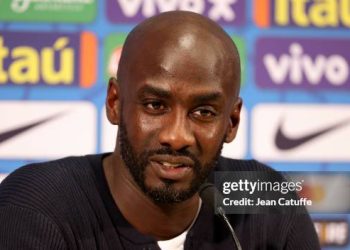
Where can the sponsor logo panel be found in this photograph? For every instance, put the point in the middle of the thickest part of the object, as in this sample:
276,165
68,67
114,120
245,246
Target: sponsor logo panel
302,63
114,45
332,233
76,11
328,190
113,49
236,149
301,132
52,59
303,14
46,129
240,43
108,133
2,177
225,12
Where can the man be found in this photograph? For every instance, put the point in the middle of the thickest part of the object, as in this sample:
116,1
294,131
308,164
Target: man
176,102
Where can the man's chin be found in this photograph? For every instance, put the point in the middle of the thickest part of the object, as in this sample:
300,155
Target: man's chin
168,194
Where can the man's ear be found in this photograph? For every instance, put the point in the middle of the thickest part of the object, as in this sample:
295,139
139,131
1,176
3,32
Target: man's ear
234,121
113,101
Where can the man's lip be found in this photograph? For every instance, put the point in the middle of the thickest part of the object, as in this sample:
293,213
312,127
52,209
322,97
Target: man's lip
175,172
173,160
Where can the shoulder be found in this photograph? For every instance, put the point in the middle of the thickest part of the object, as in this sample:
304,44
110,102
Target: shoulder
44,173
227,164
235,165
42,184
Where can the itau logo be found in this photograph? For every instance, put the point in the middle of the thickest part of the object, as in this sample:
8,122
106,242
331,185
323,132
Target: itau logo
304,14
302,63
52,59
230,12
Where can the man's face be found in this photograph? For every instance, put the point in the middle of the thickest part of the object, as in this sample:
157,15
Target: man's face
164,193
175,112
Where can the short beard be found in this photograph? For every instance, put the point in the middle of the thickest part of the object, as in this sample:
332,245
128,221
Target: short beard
166,194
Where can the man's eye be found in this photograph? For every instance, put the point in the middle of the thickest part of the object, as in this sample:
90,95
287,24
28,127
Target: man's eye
204,113
154,106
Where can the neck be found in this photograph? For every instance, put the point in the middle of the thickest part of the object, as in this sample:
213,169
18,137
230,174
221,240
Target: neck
162,221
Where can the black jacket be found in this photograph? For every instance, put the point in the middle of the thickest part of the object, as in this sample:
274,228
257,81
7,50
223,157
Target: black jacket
66,204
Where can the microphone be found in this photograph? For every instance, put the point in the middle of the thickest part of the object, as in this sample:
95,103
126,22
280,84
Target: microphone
209,193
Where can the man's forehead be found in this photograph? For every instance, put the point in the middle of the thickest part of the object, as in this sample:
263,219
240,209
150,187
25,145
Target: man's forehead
197,81
197,51
194,93
190,58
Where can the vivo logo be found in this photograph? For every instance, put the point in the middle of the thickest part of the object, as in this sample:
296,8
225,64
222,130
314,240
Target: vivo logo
224,11
299,66
302,63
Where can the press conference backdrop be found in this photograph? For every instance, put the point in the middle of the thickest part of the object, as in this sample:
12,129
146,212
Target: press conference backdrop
56,57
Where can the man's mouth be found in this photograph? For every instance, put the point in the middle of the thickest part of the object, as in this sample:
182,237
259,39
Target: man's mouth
172,161
171,167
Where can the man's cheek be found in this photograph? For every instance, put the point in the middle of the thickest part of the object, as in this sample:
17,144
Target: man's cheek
211,139
144,132
149,129
209,131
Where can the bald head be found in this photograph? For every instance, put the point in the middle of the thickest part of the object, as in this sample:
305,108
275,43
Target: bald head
180,37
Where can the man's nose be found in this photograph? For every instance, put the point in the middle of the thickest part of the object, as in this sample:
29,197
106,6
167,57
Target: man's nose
177,132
